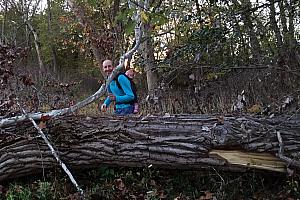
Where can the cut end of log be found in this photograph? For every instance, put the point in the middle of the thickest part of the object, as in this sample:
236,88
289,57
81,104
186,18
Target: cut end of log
264,161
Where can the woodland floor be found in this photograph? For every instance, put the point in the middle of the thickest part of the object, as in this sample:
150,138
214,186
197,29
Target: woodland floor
153,184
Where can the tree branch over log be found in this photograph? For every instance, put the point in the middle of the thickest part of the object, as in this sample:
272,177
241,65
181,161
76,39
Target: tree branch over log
188,142
60,162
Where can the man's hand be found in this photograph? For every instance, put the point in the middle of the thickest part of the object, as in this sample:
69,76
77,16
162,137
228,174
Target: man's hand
103,108
111,97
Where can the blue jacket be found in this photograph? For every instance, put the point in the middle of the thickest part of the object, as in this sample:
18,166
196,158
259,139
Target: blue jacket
123,97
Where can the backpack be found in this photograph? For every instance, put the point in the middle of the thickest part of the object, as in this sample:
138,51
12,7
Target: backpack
133,87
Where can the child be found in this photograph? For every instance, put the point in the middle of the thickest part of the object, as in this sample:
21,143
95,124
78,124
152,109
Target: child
130,74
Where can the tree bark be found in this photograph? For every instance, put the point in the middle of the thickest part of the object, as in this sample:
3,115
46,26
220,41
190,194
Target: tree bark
294,60
148,55
3,39
37,46
274,26
291,17
250,29
188,142
50,32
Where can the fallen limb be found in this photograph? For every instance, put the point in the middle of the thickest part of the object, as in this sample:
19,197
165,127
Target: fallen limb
54,113
62,164
188,142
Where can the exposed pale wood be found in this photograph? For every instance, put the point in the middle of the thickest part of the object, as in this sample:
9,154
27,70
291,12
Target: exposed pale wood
254,160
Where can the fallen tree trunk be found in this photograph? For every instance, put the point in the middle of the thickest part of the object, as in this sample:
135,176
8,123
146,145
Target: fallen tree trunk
189,142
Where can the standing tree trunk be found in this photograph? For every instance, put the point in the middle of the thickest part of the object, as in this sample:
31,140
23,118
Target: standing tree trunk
24,10
282,11
148,56
291,11
294,60
150,67
286,51
187,141
274,26
50,33
117,29
3,24
254,42
245,52
37,46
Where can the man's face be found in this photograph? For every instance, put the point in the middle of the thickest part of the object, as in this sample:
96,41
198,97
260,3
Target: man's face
107,67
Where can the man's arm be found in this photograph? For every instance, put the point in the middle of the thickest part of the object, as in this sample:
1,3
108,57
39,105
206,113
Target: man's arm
107,100
126,86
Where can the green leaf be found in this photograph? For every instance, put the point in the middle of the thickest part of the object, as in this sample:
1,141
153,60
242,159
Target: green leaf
144,17
124,15
129,27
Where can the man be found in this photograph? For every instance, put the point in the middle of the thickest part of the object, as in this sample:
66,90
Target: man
121,93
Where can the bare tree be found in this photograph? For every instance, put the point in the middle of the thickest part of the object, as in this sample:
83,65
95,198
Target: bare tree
274,26
27,11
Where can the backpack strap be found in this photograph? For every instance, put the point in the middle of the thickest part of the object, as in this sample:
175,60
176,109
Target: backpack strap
117,81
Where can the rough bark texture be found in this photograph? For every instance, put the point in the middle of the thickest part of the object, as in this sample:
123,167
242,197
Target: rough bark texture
274,25
148,55
50,31
189,142
247,19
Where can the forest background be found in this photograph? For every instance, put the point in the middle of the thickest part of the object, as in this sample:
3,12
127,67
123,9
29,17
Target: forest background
210,51
195,56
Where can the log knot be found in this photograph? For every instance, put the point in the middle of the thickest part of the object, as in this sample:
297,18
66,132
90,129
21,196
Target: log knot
219,134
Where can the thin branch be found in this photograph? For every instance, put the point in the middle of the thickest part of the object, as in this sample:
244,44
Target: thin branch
55,113
138,5
193,65
53,151
253,9
34,8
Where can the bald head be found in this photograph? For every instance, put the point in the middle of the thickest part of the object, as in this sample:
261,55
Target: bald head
107,67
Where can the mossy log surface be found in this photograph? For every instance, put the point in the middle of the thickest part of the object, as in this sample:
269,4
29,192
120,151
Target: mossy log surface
183,141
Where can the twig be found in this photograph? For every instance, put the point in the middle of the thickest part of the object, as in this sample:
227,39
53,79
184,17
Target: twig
138,5
280,154
53,152
219,176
